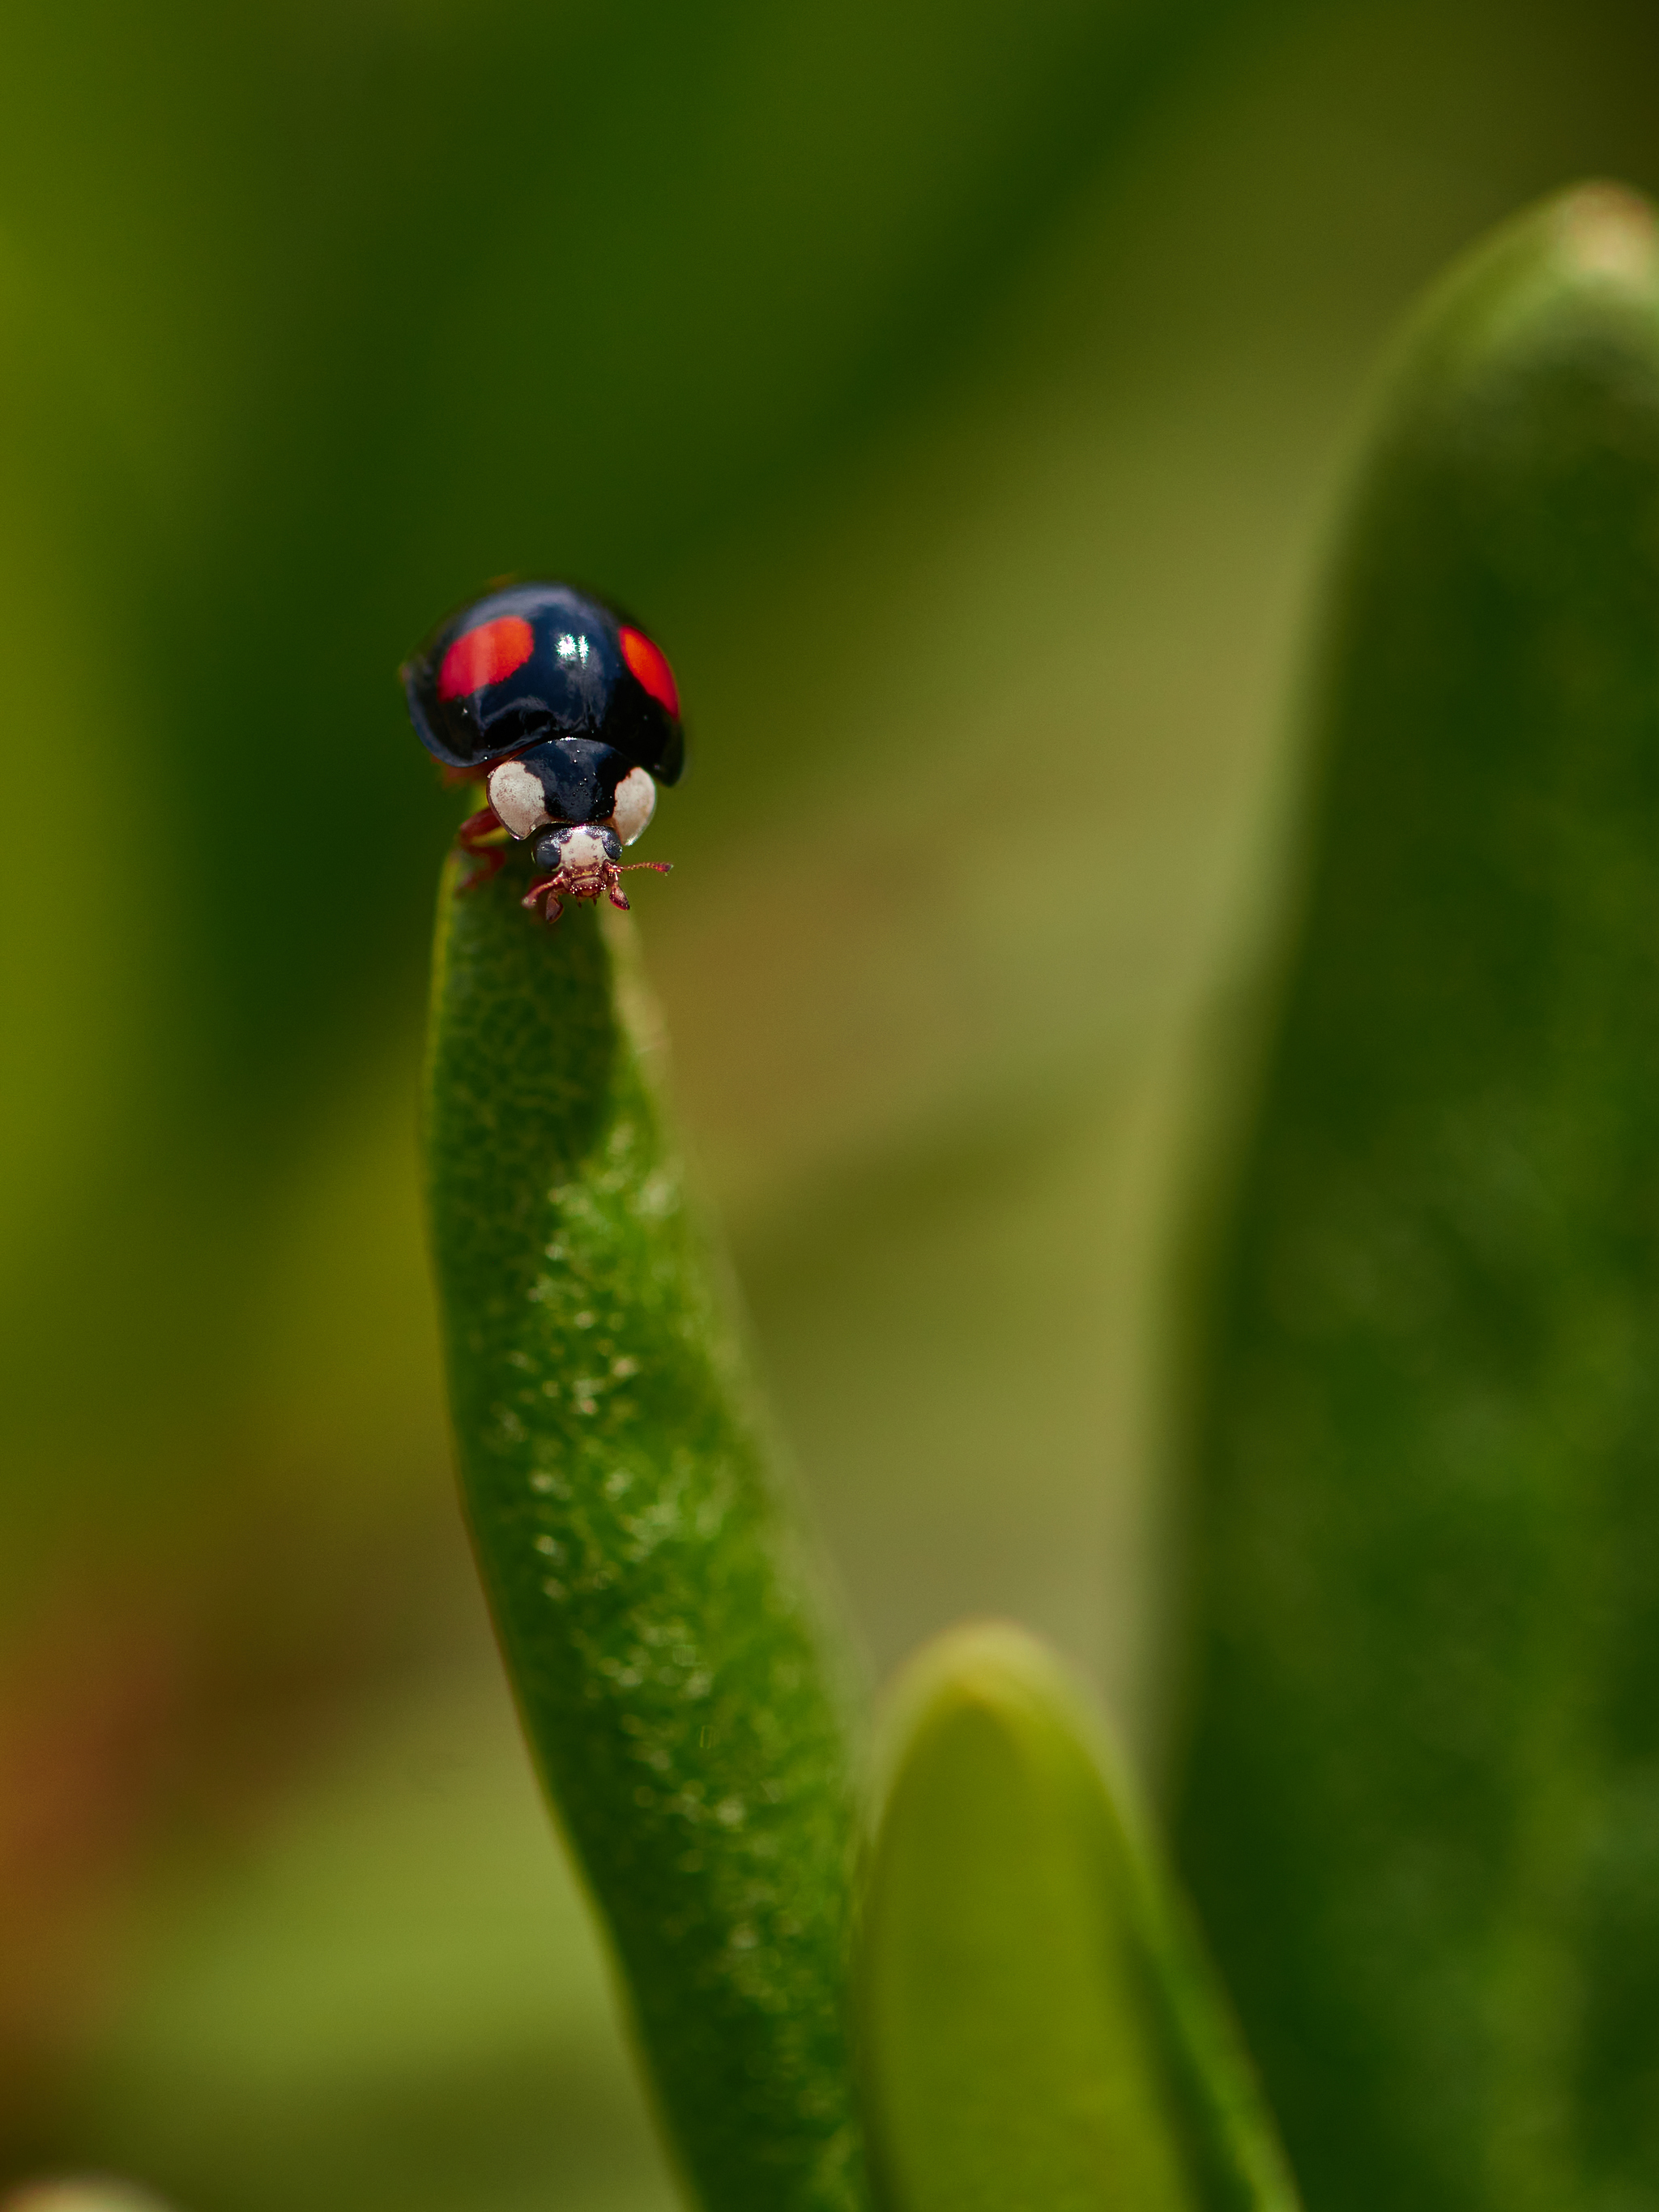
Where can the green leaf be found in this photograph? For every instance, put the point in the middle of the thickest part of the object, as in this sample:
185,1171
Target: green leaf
1040,2032
1422,1815
654,1620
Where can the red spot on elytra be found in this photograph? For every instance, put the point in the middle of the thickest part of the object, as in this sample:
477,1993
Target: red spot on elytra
650,664
486,655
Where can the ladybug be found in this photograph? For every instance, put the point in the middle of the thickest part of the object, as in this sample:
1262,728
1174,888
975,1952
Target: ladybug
569,716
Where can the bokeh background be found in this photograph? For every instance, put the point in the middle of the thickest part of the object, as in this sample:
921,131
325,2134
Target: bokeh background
960,393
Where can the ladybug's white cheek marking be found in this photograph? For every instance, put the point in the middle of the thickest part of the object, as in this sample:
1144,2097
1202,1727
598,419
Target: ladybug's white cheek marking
636,802
516,794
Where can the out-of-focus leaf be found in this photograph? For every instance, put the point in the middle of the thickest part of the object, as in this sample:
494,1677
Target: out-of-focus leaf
1038,2027
1420,1809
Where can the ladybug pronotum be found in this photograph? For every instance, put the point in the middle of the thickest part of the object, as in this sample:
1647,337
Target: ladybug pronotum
570,718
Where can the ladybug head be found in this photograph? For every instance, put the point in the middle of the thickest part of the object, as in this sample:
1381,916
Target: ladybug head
531,663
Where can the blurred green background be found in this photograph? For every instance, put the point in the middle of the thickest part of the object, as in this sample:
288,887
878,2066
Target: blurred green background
959,392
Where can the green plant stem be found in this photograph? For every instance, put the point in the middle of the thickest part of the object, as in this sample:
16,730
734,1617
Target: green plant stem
1421,1806
656,1622
1039,2026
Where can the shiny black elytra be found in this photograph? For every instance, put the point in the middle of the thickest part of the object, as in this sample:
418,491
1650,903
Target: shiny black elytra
569,715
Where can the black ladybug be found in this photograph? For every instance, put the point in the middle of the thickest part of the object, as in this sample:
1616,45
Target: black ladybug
569,715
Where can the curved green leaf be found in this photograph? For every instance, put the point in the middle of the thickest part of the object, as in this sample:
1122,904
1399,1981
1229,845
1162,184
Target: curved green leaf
654,1622
1422,1815
1040,2031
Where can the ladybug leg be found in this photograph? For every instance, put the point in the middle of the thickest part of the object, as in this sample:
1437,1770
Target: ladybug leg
552,885
490,861
471,836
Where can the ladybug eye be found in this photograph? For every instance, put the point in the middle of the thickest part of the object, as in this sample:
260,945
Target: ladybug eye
649,664
483,656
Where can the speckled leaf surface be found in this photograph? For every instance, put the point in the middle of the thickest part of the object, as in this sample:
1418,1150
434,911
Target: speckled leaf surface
1039,2031
657,1627
1421,1815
